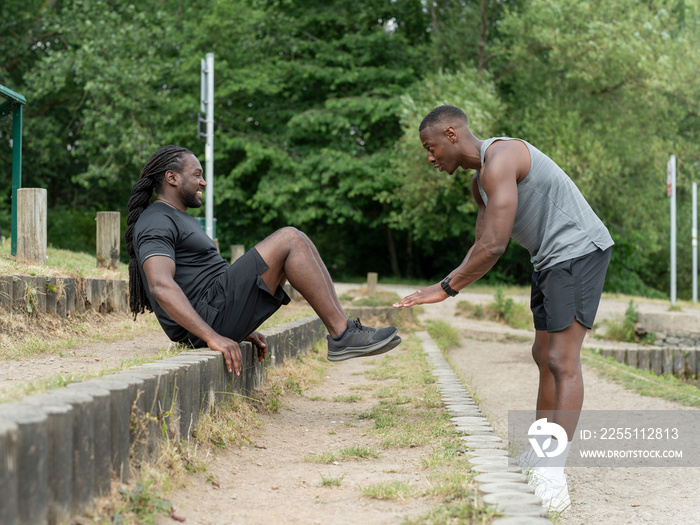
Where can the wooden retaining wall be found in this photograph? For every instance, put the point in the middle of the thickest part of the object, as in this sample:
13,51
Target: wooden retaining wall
679,361
61,449
61,296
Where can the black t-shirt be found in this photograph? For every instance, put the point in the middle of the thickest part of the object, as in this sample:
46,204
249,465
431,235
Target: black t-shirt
163,230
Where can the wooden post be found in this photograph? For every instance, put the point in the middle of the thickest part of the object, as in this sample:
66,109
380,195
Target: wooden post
31,226
108,239
237,250
372,283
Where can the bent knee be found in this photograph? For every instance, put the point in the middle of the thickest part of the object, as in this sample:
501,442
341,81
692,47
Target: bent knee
291,234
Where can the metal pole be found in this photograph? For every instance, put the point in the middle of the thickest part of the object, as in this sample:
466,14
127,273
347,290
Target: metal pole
672,172
209,148
16,169
695,242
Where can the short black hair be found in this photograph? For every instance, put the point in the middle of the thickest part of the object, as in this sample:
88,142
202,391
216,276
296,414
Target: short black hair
441,114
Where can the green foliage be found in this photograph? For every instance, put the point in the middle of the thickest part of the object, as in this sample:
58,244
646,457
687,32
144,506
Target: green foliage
626,330
390,490
328,481
503,309
141,502
599,87
444,334
316,112
644,382
513,314
434,205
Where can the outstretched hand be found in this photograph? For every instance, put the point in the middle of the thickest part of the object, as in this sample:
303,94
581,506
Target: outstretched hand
260,342
431,294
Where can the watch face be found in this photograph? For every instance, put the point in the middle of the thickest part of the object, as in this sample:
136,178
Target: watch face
446,286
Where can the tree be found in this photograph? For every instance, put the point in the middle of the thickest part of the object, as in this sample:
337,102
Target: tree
593,85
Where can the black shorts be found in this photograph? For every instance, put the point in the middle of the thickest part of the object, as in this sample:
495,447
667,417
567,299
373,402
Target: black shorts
568,290
239,301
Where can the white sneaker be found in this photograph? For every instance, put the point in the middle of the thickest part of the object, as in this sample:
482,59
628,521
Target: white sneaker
551,487
528,460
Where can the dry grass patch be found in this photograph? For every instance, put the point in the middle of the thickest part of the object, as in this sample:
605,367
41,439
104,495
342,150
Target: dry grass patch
22,335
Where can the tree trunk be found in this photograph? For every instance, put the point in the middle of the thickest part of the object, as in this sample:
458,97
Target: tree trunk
409,254
392,252
483,34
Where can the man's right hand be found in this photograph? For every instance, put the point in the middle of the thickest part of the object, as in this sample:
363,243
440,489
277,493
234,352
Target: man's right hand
431,294
231,351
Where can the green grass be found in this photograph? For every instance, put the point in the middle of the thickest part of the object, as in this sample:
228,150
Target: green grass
355,452
327,481
444,335
141,501
40,386
642,382
348,398
625,329
62,263
390,490
462,510
502,309
322,457
358,452
409,413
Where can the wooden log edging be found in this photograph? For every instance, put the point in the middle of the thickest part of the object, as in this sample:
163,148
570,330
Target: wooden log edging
61,449
661,360
62,296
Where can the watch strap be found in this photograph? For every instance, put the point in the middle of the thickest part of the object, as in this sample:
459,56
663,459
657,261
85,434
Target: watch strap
446,286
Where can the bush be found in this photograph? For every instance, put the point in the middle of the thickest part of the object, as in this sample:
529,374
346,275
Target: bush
626,329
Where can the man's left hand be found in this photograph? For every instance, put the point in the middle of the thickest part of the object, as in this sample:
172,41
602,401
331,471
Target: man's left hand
431,294
260,343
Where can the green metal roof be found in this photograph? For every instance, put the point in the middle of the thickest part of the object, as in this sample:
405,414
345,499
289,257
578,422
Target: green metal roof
9,98
7,95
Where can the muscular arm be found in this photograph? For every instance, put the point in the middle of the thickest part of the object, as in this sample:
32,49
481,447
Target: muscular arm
494,223
160,272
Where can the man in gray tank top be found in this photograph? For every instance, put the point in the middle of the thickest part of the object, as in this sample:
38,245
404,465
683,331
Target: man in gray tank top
522,194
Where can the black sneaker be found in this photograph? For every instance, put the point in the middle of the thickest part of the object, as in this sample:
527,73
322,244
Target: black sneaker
358,341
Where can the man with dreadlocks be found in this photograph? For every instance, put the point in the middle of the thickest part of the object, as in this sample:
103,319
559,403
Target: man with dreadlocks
176,272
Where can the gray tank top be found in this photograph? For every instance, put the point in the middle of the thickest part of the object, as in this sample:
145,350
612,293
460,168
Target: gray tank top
553,221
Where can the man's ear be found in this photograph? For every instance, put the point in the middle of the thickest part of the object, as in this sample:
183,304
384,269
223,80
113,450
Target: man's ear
450,133
171,177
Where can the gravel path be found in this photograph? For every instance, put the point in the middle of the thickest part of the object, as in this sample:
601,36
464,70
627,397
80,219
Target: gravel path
493,359
502,373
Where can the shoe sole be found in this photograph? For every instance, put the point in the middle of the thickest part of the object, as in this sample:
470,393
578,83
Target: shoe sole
376,349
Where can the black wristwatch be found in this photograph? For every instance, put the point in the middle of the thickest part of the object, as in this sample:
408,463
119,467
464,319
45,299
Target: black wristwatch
446,286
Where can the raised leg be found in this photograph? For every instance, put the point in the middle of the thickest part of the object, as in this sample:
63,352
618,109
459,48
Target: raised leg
291,255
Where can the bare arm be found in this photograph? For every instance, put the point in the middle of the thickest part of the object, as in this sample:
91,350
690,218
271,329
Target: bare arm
494,225
160,272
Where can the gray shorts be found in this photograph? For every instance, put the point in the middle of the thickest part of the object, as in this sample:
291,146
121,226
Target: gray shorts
239,301
568,290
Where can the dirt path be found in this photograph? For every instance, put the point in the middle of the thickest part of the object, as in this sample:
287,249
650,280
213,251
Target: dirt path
272,483
497,363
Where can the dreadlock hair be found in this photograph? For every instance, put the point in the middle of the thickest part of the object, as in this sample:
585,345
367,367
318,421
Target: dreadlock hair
441,114
165,159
